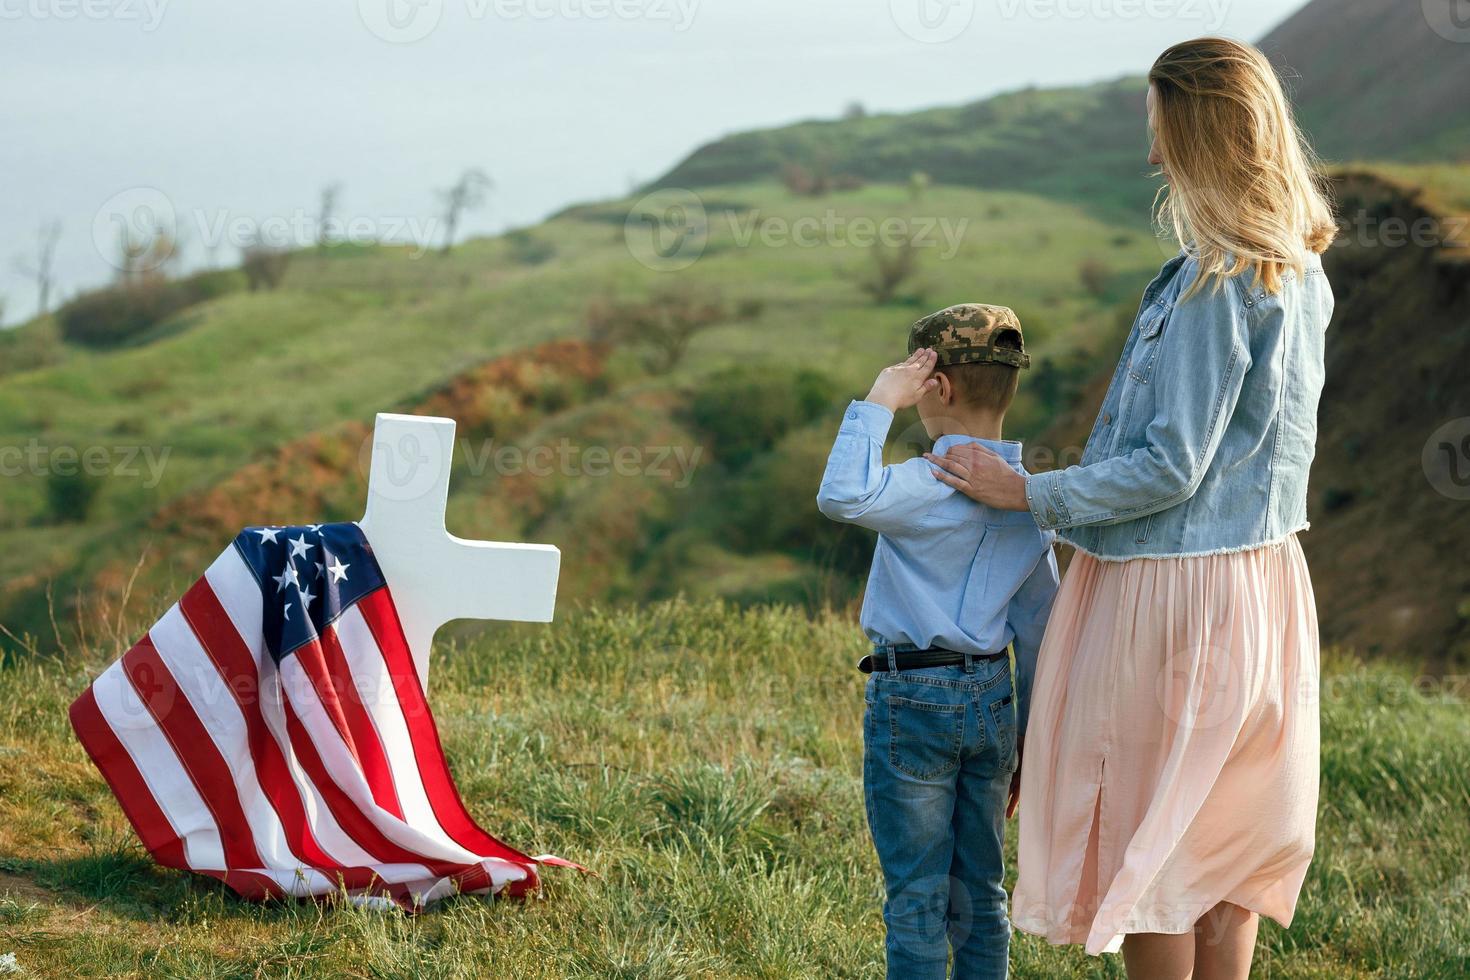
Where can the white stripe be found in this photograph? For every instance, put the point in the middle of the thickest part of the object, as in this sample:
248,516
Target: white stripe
172,789
375,687
214,703
344,771
237,591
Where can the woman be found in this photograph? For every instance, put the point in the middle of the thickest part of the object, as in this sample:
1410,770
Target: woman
1170,777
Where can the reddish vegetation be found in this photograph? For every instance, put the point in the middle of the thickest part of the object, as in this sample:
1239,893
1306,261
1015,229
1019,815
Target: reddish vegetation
323,476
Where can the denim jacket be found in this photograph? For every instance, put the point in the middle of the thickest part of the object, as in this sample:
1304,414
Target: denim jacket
1208,429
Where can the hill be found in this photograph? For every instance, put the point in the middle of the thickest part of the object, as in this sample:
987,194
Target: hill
255,404
706,762
1399,96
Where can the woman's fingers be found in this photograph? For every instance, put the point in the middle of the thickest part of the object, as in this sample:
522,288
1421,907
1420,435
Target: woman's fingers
950,465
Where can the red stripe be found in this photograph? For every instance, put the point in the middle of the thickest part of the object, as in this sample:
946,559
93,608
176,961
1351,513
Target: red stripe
122,775
352,818
218,636
313,664
197,753
370,752
382,618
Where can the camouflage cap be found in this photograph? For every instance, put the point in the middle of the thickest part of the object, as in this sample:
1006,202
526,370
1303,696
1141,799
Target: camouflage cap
966,334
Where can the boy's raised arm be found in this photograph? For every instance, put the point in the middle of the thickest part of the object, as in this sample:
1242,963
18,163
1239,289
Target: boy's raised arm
856,487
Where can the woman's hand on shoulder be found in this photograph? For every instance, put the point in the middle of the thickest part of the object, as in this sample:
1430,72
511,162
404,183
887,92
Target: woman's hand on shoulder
981,475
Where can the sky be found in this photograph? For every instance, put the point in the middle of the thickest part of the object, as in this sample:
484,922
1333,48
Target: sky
225,120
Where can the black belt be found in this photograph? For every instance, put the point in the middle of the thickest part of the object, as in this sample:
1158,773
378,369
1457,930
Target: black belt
919,659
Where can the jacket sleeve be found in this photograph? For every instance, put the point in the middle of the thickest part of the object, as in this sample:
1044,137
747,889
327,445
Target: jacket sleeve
1027,614
858,489
1202,360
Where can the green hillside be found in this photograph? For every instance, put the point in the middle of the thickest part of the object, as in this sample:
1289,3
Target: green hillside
706,763
288,380
1087,145
1402,96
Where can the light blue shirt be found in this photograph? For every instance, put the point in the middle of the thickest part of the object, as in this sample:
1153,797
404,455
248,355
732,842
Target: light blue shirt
947,571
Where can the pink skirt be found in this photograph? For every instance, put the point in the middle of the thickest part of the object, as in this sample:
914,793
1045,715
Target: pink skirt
1171,758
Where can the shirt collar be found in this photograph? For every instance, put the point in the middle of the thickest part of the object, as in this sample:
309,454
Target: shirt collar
1007,449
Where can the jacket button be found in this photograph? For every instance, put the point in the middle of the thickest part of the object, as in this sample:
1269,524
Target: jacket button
852,415
1107,418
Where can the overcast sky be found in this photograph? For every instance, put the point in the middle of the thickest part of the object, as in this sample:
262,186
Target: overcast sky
232,114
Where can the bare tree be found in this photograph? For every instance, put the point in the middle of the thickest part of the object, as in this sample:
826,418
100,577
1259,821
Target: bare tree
145,256
40,268
327,212
467,194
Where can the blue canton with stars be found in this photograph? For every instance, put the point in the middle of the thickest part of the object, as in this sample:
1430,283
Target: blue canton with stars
308,576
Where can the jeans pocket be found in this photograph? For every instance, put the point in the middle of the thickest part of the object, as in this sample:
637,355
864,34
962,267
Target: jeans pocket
1003,714
925,739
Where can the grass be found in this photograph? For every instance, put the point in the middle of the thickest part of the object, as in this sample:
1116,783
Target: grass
706,762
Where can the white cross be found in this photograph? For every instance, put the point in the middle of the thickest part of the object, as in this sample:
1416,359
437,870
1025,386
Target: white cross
434,576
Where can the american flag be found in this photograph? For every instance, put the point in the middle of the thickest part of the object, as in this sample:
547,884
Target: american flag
271,731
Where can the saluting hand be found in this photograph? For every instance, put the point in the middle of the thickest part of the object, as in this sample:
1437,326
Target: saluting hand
902,385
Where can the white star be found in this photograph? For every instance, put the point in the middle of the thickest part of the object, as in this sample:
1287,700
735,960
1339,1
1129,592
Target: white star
338,570
267,534
289,575
307,598
313,527
299,547
286,613
320,569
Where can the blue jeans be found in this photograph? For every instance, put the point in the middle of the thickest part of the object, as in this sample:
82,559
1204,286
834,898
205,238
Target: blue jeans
939,747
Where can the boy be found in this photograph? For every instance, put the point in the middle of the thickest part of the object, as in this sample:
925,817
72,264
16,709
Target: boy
953,583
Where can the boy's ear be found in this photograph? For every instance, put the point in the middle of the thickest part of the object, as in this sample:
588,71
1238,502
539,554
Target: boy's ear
945,391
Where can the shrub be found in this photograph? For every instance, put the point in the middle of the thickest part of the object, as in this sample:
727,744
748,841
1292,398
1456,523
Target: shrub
663,324
744,411
528,248
120,313
890,268
1094,275
70,495
264,265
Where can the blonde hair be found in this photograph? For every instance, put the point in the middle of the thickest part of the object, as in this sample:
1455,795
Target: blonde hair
1244,191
